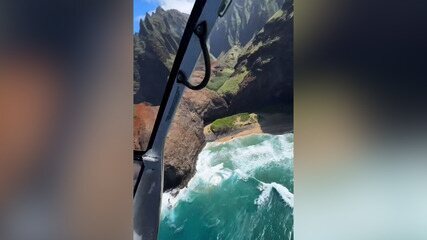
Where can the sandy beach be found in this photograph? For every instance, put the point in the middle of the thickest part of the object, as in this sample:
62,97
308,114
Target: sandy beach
252,129
271,123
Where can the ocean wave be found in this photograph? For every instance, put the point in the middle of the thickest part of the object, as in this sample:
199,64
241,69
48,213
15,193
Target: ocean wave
241,158
247,154
266,189
206,177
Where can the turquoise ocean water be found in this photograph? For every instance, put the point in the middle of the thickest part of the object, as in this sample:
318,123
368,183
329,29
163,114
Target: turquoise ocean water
243,189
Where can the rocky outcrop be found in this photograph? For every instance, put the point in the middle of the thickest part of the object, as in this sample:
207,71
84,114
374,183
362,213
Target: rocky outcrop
208,104
243,19
183,144
186,138
230,126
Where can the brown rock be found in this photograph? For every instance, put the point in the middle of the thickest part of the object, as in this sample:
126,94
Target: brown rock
207,103
183,144
143,121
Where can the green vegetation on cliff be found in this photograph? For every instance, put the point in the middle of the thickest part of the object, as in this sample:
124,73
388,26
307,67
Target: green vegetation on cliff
221,77
231,85
264,70
242,21
230,123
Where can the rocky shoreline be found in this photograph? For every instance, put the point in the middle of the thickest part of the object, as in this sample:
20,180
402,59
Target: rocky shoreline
268,123
189,135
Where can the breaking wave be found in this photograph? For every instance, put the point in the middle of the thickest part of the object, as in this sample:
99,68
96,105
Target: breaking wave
266,189
245,180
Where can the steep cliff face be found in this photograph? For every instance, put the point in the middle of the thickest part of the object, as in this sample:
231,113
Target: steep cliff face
263,74
161,32
243,19
229,58
154,48
183,144
186,137
208,104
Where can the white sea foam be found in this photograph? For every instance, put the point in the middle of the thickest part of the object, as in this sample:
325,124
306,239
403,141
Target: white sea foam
249,158
266,189
265,194
243,176
210,170
284,192
205,177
